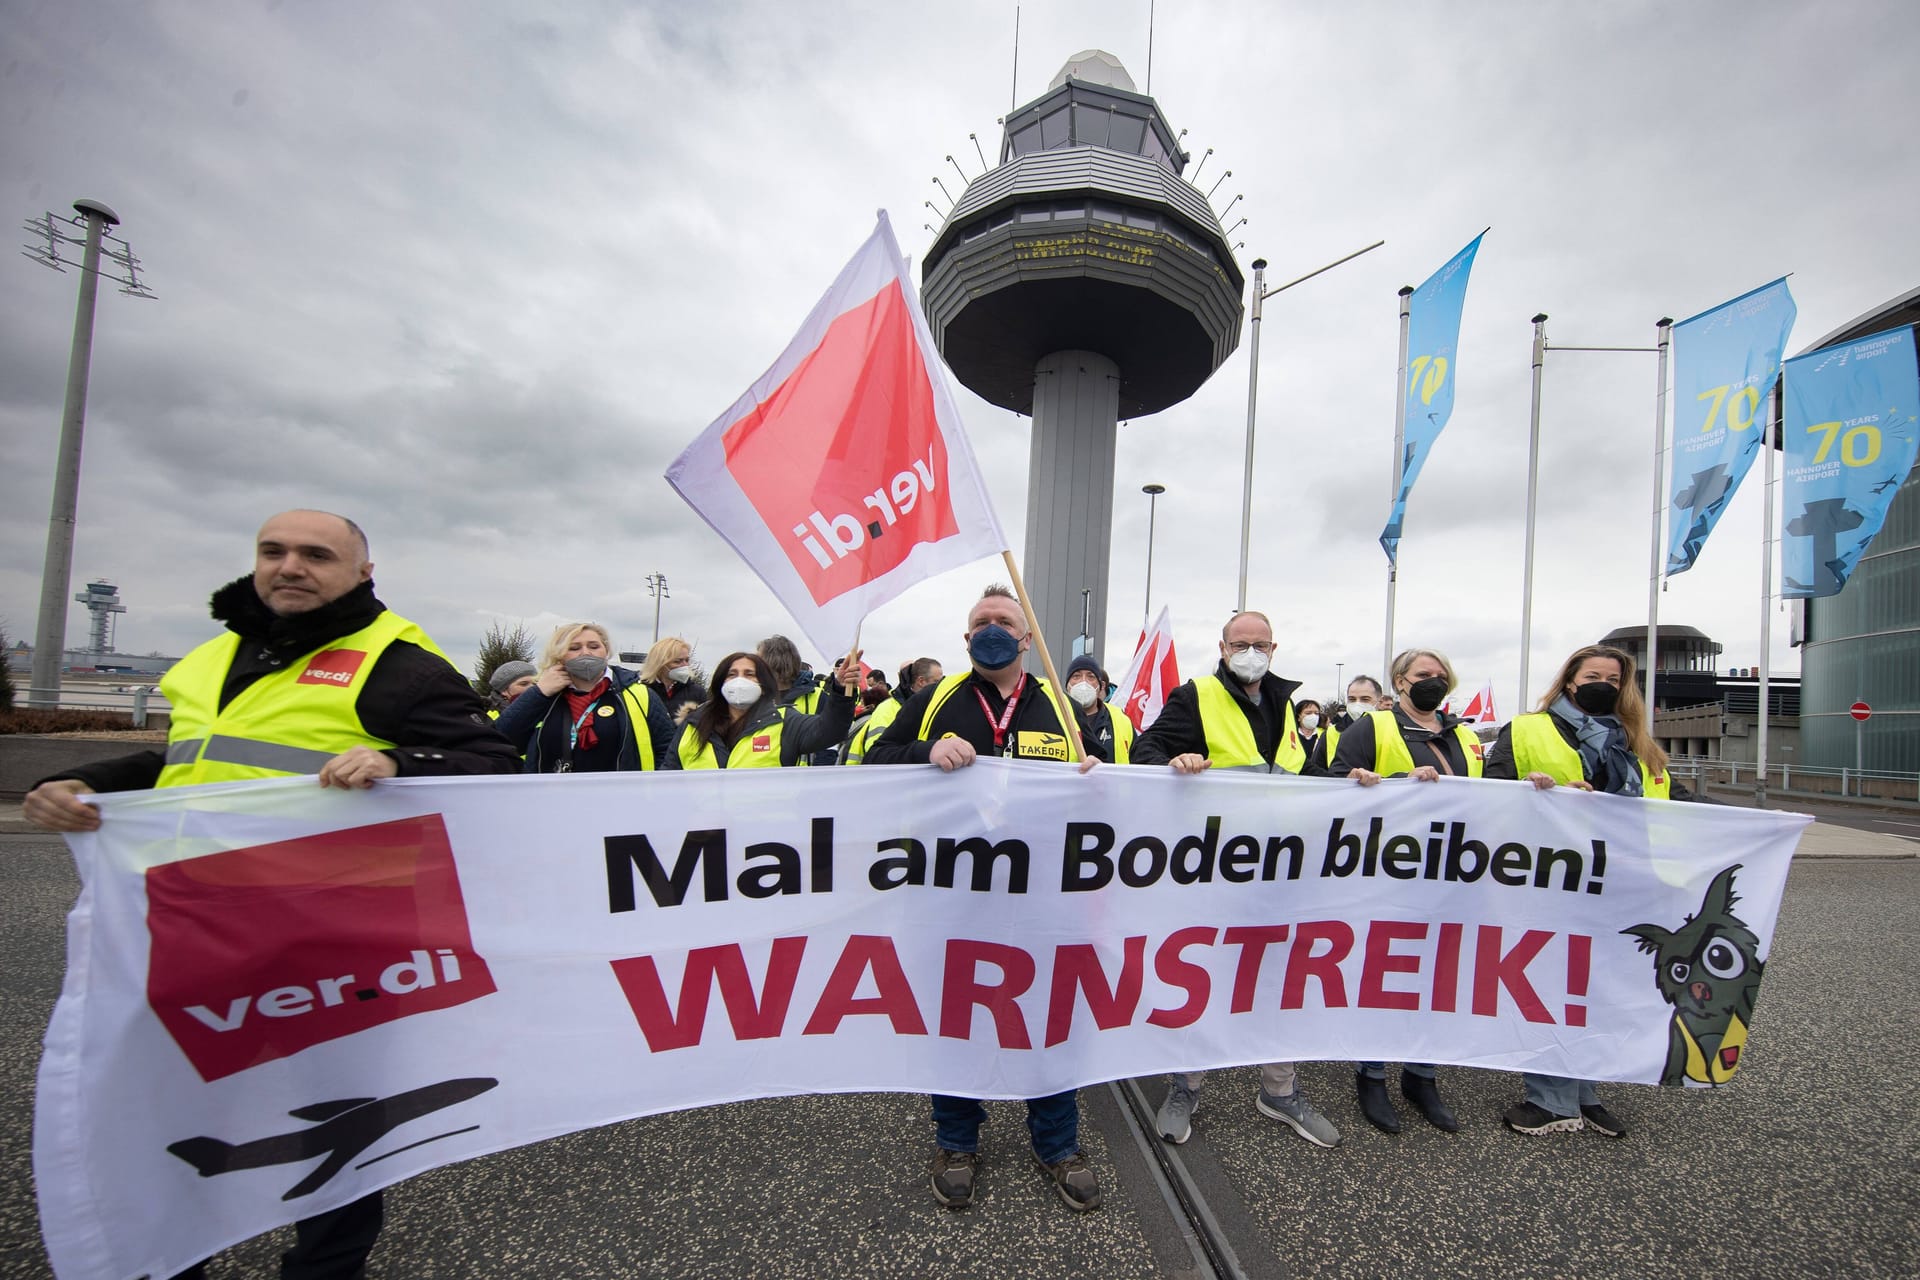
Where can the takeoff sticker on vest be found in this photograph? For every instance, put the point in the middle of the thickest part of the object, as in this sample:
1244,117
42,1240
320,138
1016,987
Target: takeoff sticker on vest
261,952
334,666
604,711
1033,745
763,743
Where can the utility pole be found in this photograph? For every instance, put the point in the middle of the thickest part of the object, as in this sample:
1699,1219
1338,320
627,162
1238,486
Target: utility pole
657,588
88,230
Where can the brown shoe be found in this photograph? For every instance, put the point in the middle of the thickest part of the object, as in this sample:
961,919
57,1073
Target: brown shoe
1073,1179
952,1177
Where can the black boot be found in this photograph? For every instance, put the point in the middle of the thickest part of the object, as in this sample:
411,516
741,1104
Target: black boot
1424,1093
1375,1105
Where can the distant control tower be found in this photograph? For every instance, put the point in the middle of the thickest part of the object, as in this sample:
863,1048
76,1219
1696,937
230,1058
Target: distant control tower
1081,281
102,599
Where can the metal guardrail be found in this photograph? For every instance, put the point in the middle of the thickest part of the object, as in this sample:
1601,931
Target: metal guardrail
136,699
1849,783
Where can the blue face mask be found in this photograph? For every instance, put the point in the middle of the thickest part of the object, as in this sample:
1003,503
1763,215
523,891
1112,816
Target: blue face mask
993,646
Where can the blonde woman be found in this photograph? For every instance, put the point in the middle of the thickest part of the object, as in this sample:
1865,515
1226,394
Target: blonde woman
1415,739
585,716
669,676
1590,731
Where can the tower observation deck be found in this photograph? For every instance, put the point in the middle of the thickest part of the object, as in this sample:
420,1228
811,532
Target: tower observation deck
1081,280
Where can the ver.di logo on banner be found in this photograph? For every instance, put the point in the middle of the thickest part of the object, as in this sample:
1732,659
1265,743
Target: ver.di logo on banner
259,953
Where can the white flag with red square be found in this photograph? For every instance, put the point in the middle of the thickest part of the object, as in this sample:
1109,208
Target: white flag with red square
1154,672
843,475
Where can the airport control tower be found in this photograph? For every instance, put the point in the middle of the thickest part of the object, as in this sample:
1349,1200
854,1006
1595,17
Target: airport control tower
1080,281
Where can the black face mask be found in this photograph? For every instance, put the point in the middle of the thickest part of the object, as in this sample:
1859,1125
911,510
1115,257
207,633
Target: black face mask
1596,698
1425,695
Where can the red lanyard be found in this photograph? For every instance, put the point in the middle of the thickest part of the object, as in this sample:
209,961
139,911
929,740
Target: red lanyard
999,726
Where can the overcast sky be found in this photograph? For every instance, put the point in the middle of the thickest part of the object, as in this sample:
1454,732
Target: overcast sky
475,273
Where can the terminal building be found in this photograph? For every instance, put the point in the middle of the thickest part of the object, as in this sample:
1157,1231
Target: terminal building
1707,711
1863,645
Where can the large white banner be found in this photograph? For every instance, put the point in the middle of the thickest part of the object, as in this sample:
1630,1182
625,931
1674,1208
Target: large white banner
279,998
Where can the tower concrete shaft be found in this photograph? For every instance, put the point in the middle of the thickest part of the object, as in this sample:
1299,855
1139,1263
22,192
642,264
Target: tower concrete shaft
1076,405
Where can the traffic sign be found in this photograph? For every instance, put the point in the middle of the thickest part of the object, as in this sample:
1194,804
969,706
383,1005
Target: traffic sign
1860,711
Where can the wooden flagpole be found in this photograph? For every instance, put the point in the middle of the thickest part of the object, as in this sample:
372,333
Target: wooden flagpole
1062,707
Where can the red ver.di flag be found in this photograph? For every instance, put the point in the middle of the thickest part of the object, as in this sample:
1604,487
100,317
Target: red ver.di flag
843,476
1153,674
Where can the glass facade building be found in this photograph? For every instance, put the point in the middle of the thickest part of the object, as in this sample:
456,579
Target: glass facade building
1863,645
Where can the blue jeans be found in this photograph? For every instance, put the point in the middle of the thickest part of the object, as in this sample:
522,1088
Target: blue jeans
1558,1094
1378,1070
1053,1123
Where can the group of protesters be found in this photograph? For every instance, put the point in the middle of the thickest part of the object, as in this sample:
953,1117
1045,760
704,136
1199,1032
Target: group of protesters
765,708
249,704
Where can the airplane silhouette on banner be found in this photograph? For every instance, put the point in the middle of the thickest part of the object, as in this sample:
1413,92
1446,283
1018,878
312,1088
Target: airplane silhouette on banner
345,1128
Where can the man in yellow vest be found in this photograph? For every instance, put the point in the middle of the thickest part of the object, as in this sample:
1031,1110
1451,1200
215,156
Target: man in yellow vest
313,676
1107,732
921,673
994,708
1241,717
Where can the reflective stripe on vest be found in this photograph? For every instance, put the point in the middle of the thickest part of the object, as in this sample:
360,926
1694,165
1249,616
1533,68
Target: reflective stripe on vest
290,721
1539,748
1230,740
883,715
637,699
1390,754
745,754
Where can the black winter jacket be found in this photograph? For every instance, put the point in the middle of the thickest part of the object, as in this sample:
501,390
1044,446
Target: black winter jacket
411,697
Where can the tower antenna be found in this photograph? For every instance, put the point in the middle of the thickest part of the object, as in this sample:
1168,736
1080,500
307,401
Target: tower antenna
1150,4
1014,94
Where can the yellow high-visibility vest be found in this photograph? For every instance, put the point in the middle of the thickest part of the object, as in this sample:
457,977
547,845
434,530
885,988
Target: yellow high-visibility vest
1230,741
1390,754
1539,748
759,750
1122,735
883,715
1029,744
290,721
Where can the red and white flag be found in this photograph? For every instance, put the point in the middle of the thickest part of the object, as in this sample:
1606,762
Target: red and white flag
1479,708
843,476
1154,673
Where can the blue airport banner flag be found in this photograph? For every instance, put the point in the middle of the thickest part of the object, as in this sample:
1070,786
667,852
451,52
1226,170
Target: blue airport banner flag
1433,335
1851,440
1724,360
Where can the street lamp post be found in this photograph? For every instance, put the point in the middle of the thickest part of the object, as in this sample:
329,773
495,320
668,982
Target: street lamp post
657,587
1260,294
50,631
1153,492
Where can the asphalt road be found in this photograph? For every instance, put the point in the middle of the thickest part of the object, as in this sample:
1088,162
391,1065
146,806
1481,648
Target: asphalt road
1903,822
1808,1166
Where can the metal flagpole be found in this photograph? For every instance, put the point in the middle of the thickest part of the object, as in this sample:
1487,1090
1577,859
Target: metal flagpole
1533,484
1766,597
1399,462
1260,294
1657,560
1253,400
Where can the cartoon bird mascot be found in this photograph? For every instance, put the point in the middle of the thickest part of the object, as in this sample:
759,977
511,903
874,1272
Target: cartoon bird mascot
1709,971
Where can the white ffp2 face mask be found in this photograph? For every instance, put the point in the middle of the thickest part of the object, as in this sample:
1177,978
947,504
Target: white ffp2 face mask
1083,693
1309,722
740,691
680,674
1249,665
